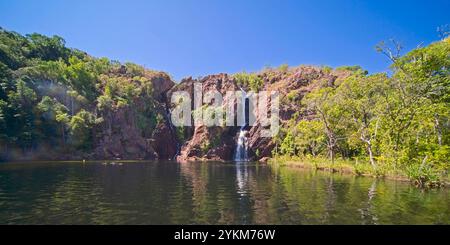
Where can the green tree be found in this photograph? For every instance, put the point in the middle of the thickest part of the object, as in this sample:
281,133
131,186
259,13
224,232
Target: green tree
327,106
47,48
21,124
310,137
361,100
81,129
81,79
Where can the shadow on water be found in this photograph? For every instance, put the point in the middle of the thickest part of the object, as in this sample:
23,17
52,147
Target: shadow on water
207,193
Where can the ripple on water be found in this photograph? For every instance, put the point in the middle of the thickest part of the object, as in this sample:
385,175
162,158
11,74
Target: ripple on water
207,193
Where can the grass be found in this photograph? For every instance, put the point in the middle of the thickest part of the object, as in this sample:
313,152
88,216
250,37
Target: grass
420,177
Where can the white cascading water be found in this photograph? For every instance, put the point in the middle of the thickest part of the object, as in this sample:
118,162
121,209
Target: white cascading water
241,146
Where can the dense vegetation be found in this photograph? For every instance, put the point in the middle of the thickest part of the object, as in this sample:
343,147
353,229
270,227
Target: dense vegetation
397,123
56,97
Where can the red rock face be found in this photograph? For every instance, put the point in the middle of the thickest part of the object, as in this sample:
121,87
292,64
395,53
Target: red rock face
164,141
121,136
121,139
161,85
208,143
125,140
218,143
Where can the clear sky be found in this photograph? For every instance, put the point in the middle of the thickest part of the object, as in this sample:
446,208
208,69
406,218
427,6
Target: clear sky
188,37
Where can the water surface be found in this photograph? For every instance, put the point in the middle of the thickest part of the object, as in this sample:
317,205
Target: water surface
207,193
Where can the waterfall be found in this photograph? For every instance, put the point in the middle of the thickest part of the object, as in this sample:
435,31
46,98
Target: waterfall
241,153
241,147
173,131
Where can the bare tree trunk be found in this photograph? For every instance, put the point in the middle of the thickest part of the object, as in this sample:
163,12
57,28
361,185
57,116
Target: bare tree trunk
371,158
332,156
438,129
368,141
331,151
311,148
331,137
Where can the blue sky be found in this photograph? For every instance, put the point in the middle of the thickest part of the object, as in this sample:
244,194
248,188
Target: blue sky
188,37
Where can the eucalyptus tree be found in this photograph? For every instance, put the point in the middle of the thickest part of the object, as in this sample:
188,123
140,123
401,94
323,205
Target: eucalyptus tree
361,100
326,104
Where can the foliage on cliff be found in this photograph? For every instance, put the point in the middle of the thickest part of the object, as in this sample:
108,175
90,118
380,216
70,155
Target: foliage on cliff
61,98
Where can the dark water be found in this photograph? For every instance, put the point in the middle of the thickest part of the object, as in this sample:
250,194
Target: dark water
207,193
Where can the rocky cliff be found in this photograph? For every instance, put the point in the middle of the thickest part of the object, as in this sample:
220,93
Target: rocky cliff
125,133
201,142
218,143
143,129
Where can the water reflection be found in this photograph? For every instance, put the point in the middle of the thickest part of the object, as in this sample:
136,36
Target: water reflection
241,177
207,193
367,215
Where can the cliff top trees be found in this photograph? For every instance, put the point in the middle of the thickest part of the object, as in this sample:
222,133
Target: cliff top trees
47,48
250,80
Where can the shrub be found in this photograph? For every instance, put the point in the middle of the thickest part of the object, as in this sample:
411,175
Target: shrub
250,80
